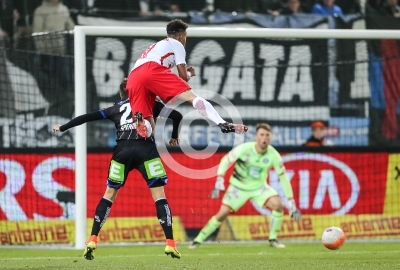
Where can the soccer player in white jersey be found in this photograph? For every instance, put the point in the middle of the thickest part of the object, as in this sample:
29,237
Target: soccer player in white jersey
151,76
249,182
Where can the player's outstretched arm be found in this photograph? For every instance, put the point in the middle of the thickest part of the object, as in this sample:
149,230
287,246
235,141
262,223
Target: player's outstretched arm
82,119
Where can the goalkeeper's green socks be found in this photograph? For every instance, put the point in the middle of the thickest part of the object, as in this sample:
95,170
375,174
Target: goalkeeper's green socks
210,227
276,223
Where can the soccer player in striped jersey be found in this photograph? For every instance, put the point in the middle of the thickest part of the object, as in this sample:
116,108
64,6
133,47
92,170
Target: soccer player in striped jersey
131,152
249,182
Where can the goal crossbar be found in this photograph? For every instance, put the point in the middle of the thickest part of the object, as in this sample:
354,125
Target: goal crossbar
80,33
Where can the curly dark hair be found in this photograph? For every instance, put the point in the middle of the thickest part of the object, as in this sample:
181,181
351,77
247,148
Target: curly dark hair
122,89
176,26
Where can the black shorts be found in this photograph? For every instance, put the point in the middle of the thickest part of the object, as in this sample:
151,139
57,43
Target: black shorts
136,154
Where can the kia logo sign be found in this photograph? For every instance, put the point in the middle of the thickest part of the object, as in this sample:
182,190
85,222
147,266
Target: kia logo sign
326,175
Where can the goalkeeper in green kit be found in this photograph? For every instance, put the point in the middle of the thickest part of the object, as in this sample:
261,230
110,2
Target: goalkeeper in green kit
249,182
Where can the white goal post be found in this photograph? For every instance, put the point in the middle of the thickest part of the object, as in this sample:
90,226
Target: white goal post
80,33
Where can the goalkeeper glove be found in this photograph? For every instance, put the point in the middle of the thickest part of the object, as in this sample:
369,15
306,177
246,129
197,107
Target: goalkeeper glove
293,211
219,186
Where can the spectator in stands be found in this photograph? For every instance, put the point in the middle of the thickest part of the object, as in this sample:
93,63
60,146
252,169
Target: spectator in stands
52,15
317,136
158,7
8,15
327,7
390,8
292,7
25,9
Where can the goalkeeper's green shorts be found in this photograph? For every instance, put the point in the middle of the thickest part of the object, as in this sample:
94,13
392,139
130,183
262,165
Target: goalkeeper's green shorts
235,198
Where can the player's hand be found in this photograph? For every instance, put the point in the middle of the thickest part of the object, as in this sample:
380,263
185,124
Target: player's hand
191,70
219,186
56,128
293,211
174,142
296,215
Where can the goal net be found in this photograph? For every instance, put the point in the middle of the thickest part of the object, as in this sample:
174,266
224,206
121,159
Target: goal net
50,184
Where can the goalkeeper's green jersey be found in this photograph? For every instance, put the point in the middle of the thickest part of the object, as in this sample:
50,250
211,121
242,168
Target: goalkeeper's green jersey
251,168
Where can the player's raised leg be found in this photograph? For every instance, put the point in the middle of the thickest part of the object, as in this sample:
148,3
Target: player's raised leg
102,211
207,110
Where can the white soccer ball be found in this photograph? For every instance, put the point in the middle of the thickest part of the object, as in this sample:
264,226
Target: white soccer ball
333,238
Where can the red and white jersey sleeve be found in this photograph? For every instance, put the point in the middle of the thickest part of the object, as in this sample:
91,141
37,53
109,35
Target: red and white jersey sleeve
168,52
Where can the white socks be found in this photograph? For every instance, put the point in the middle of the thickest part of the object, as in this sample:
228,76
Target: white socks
206,109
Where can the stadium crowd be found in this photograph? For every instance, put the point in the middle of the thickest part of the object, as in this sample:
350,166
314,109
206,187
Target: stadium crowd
17,16
273,7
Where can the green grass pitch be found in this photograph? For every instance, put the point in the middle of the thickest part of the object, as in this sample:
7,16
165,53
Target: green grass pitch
248,256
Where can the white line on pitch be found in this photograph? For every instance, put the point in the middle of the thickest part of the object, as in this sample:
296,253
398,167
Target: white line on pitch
142,244
210,254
